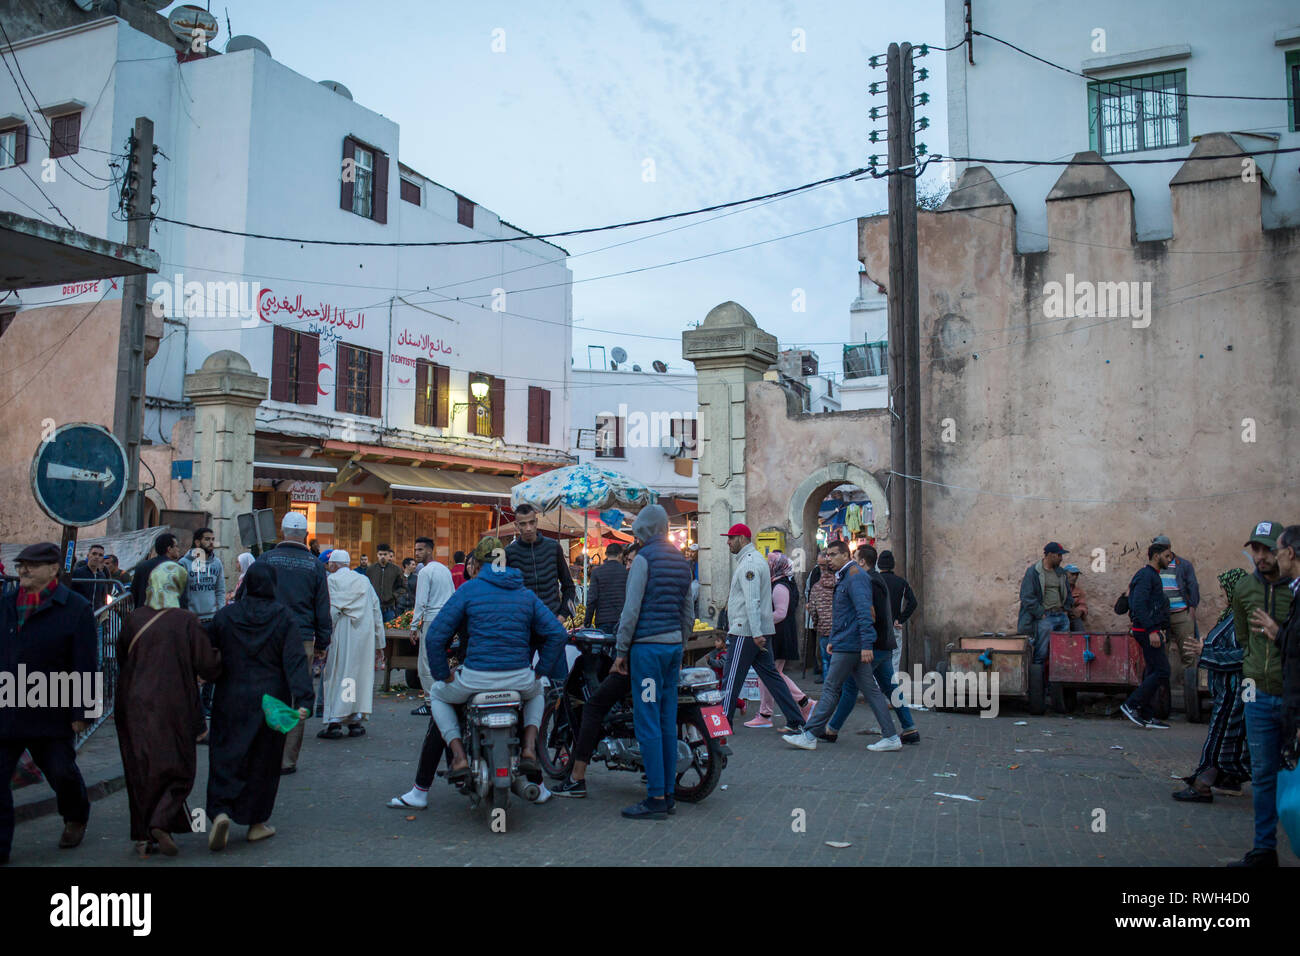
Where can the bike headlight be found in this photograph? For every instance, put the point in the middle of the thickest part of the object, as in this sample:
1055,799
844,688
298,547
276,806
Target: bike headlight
502,718
709,697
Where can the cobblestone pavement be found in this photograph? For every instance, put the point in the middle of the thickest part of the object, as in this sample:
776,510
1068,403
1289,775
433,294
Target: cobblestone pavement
1036,793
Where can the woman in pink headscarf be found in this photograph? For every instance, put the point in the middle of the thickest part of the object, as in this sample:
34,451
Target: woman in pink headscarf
785,645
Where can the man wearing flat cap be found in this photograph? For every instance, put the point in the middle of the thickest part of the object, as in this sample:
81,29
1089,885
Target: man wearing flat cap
48,629
1045,600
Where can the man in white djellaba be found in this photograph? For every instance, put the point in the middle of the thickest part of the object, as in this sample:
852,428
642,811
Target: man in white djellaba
356,651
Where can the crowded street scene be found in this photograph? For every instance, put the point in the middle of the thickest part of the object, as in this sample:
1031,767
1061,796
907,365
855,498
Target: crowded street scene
376,531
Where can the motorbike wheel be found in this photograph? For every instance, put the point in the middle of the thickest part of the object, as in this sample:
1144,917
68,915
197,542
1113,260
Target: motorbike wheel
556,736
701,779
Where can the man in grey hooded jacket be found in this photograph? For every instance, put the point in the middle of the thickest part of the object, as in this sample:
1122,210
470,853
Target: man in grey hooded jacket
657,616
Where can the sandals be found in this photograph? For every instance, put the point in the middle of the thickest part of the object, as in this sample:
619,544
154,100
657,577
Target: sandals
529,765
457,774
331,732
356,730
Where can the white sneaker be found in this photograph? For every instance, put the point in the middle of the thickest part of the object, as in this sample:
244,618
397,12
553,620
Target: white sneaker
887,743
803,740
543,794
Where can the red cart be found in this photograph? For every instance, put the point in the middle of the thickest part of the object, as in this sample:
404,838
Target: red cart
1105,663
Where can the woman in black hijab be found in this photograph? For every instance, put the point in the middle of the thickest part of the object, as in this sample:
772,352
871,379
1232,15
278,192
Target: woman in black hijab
261,653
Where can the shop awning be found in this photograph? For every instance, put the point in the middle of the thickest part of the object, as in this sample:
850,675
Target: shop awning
287,468
34,253
408,483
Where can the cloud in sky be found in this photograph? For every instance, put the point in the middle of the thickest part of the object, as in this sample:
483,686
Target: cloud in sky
555,133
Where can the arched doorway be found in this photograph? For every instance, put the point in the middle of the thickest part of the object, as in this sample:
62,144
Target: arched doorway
809,495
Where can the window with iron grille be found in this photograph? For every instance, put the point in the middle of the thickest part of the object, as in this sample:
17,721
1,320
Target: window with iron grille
363,183
1135,113
610,432
357,382
1293,88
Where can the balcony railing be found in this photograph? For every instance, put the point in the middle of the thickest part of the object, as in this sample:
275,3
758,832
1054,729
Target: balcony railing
866,360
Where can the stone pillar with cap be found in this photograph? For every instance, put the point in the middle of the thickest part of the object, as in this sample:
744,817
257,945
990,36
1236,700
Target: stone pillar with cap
225,392
729,352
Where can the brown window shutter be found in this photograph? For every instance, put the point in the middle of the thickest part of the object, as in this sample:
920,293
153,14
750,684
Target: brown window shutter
534,414
65,135
442,385
379,203
375,399
20,145
465,212
620,434
422,376
693,442
342,358
280,364
410,192
546,416
345,193
498,394
308,367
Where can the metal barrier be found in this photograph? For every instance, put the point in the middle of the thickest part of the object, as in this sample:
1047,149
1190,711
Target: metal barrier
109,620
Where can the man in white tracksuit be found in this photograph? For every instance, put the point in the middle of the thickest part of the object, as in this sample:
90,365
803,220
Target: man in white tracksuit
749,624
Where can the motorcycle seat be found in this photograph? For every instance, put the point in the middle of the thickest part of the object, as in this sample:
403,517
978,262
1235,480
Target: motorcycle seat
495,698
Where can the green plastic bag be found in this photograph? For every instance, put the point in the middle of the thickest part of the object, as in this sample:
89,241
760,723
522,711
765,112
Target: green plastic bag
279,715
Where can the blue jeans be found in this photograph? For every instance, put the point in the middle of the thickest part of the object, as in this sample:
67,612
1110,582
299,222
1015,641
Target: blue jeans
848,693
654,670
884,671
1043,627
1264,737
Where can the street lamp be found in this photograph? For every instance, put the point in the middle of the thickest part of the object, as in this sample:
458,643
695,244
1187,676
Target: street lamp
478,387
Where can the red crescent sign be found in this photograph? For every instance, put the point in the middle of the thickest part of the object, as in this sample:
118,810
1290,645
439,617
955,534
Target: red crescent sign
318,371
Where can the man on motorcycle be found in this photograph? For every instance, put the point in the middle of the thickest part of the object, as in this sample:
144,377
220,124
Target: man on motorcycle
501,617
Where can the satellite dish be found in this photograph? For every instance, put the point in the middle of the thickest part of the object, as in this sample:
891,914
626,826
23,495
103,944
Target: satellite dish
658,366
188,18
618,354
636,368
334,86
245,42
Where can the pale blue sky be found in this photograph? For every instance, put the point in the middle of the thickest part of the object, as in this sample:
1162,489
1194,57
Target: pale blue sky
554,133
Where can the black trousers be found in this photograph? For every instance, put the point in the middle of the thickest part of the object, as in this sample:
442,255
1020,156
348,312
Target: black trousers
1156,671
611,690
431,751
57,759
742,654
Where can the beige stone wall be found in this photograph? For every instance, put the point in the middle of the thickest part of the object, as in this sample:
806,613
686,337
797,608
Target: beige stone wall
59,363
790,461
1090,431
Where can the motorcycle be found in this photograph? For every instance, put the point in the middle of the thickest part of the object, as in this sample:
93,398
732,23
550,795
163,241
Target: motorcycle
492,721
701,726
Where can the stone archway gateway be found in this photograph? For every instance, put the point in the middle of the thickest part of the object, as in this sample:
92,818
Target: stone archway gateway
808,495
762,459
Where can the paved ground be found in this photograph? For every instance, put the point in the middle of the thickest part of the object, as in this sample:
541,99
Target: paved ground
1036,792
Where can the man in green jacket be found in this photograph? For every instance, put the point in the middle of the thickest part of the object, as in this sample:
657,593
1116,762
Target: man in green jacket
1264,595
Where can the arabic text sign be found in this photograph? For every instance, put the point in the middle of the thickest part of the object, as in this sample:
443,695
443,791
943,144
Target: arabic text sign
305,491
79,474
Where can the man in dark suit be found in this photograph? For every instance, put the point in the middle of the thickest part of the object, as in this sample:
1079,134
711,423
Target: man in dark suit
46,628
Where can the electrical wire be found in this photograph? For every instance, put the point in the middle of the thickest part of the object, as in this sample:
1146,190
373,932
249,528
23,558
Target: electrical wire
527,237
1120,83
55,350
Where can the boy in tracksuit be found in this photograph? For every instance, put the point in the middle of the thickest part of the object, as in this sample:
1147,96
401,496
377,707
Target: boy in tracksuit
657,616
205,594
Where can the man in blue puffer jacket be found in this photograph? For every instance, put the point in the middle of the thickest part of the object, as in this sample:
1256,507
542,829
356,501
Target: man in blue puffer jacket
501,617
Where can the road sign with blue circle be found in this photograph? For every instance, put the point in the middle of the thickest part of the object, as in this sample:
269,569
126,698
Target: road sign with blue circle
79,474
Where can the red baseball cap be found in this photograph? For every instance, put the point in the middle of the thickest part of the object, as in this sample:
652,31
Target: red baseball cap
738,530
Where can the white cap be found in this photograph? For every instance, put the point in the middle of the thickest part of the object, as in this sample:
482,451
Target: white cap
339,556
294,521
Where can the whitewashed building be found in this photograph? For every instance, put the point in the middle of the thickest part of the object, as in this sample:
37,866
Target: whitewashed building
1156,75
866,372
642,424
409,385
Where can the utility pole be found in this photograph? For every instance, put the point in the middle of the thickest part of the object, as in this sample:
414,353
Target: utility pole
898,514
904,338
128,407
